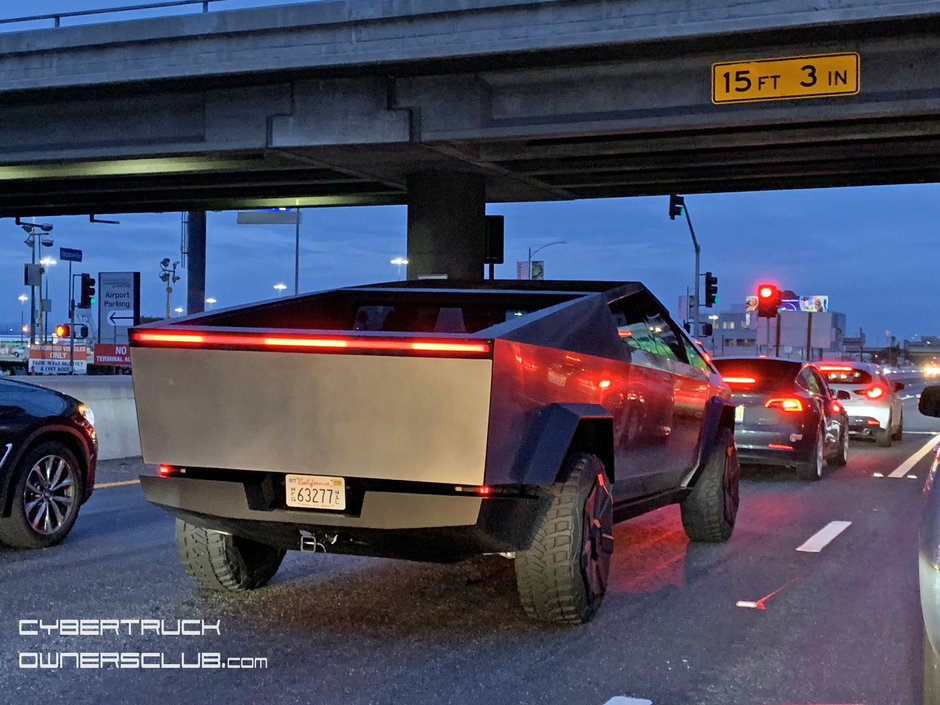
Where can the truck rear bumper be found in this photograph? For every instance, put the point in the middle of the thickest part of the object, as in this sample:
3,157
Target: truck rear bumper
417,526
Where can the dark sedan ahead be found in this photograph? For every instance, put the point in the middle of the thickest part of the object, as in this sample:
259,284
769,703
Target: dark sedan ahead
48,452
785,415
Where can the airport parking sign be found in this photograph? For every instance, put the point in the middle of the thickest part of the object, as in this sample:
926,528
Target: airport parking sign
118,304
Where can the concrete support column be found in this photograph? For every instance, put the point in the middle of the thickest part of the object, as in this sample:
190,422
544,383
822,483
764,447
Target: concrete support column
196,262
446,225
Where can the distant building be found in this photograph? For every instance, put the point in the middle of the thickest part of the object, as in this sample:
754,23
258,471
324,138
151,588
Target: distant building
739,332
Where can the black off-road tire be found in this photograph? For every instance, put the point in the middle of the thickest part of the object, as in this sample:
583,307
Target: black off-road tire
217,561
562,576
710,510
44,462
883,436
841,456
811,468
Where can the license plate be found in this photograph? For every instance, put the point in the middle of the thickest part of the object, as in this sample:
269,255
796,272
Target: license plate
315,492
739,413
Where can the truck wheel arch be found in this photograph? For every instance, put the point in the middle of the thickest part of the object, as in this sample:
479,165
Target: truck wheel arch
556,431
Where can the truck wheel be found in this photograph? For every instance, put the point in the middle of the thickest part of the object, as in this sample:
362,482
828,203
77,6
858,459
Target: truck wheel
217,561
709,512
812,467
47,489
563,575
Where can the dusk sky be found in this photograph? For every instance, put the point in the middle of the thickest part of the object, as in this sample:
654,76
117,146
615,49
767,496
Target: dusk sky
872,250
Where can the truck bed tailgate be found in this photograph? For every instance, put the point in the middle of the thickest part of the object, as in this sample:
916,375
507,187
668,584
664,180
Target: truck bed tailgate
414,418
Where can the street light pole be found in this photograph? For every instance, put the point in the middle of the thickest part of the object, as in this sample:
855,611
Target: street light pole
399,261
539,249
23,298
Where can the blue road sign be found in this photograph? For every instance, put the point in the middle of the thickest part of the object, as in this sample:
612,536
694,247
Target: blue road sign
70,255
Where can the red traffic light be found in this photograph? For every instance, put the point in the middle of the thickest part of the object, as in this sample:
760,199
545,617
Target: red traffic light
63,331
768,300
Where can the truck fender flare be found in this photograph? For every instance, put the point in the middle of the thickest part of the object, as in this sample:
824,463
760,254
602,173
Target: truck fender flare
719,413
555,431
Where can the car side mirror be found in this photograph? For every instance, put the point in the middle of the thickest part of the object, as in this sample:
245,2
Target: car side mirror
929,404
843,395
898,386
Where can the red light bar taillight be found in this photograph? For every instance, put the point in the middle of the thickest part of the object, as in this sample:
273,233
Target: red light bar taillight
739,380
784,404
836,368
311,342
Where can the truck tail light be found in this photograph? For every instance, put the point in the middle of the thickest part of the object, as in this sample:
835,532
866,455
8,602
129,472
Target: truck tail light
786,404
317,343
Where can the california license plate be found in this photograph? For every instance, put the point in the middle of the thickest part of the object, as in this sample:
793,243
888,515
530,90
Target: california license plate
315,492
739,413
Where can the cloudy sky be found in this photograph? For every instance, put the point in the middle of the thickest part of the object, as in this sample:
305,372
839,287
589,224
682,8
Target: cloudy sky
872,250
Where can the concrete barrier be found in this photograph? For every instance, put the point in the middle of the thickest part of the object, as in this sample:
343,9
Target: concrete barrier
112,400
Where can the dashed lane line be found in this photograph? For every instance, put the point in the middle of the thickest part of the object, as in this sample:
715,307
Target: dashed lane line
818,541
903,468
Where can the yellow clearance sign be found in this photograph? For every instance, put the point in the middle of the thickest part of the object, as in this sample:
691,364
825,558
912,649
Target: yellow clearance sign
815,76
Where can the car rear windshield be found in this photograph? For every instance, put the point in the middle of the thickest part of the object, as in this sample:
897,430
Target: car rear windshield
758,375
844,374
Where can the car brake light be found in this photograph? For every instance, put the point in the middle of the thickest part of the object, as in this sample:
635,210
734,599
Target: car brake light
739,380
836,368
164,470
874,392
836,407
787,404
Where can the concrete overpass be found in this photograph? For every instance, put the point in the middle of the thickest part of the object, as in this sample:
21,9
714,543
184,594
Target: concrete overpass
447,105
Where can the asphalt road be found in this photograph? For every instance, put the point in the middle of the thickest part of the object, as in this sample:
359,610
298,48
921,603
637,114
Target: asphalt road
841,625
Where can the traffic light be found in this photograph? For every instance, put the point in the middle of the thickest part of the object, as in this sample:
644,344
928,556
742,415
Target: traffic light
676,204
87,291
768,300
65,330
711,289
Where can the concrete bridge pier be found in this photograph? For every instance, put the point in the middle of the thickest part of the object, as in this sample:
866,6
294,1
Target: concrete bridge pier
446,225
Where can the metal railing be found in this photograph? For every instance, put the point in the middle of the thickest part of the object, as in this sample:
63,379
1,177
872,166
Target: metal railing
57,17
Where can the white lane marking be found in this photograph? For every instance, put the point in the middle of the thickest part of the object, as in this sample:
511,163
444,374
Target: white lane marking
624,700
903,468
920,433
821,539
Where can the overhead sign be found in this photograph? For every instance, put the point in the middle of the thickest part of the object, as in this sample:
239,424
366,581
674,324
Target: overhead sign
269,217
118,304
69,255
814,76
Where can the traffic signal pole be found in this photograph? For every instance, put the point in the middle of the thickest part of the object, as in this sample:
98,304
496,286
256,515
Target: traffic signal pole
696,325
71,320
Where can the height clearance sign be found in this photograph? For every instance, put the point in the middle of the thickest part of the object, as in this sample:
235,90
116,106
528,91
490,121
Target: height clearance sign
118,304
814,76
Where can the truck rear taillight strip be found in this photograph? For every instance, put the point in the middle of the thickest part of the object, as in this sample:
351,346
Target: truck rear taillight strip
299,341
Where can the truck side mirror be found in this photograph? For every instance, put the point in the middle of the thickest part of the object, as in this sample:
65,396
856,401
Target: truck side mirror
929,404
